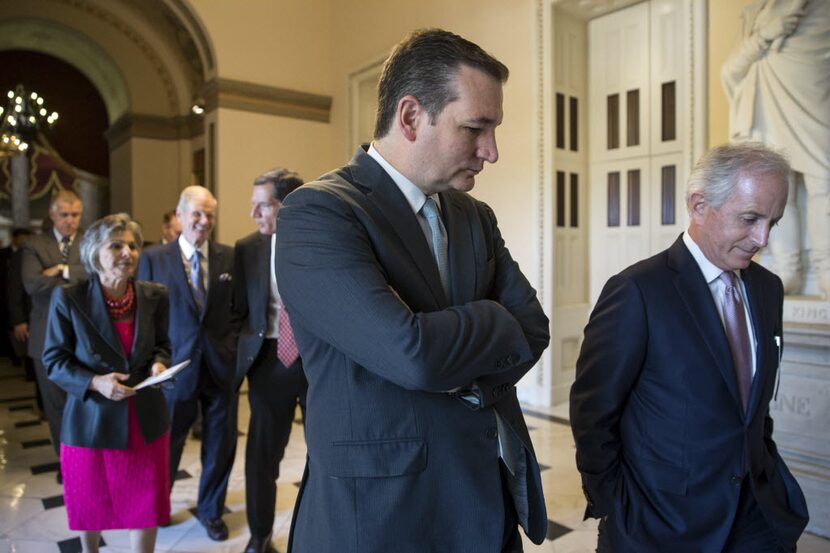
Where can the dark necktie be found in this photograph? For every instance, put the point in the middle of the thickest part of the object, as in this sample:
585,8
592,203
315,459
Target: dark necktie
734,319
438,235
286,346
65,250
197,283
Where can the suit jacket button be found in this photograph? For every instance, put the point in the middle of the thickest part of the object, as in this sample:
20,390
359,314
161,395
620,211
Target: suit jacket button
492,432
260,334
735,480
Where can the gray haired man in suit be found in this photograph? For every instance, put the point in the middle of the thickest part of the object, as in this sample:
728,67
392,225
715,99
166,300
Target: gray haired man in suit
50,260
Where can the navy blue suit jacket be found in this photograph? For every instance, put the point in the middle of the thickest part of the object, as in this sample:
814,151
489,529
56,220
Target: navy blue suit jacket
395,462
662,441
208,340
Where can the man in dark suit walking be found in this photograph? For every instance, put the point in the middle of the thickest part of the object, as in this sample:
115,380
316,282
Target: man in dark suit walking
670,407
15,300
50,260
267,354
414,324
197,272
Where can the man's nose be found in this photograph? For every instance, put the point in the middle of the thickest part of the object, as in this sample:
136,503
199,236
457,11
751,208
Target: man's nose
760,234
487,149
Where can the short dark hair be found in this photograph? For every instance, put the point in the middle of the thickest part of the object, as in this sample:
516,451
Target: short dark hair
20,231
284,180
168,216
424,65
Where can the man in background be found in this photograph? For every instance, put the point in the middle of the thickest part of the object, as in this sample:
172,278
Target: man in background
197,272
171,228
50,260
267,354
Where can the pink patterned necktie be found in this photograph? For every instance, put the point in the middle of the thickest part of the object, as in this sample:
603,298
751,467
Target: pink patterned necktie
734,318
286,346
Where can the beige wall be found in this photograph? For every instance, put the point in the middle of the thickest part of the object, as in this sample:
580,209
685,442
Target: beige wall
724,33
155,182
283,44
249,144
505,29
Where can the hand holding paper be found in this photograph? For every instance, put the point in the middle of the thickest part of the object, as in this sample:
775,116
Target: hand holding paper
163,376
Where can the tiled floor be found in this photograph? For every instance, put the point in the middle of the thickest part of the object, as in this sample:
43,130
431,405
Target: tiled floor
33,518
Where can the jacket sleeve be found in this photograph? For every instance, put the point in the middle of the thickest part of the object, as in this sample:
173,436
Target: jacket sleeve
611,358
240,288
62,366
32,267
334,286
512,290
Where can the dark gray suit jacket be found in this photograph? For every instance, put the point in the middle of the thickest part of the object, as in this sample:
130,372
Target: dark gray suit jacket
396,462
41,252
661,438
251,294
81,342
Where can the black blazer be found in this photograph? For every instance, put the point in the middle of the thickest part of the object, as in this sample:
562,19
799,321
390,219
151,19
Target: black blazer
81,342
661,438
251,294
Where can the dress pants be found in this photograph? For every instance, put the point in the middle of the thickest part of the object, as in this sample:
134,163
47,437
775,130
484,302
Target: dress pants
218,446
273,394
54,399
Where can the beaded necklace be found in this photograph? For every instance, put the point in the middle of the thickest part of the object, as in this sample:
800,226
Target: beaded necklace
120,308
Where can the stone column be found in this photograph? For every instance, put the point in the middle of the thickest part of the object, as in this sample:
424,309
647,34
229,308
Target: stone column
802,408
20,190
88,193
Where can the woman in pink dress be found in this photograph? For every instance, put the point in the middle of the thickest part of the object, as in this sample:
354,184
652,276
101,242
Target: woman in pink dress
104,336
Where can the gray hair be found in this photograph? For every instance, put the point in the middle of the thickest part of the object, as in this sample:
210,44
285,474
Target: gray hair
191,194
102,230
716,174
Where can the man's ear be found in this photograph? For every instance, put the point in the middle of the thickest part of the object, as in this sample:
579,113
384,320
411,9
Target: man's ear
409,115
697,204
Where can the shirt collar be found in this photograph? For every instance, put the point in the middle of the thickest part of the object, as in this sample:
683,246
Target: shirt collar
414,197
188,248
710,271
59,236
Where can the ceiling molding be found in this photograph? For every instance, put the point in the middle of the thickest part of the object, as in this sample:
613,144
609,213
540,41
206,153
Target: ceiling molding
245,96
135,125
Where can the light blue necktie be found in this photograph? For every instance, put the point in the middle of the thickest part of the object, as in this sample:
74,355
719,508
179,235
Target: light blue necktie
439,242
196,281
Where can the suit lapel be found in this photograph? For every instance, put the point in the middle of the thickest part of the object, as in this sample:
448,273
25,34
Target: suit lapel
695,294
262,280
757,313
215,265
461,255
99,318
182,283
393,207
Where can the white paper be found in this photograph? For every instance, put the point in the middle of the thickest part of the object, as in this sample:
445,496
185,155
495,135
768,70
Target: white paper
163,376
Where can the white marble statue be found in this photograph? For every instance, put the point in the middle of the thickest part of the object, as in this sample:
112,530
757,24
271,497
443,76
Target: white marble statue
778,83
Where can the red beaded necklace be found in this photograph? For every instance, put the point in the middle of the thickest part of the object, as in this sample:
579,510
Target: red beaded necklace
120,308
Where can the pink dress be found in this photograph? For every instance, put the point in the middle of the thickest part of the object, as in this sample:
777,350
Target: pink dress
111,489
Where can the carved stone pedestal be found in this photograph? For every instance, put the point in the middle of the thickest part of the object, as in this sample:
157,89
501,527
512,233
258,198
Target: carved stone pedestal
802,408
